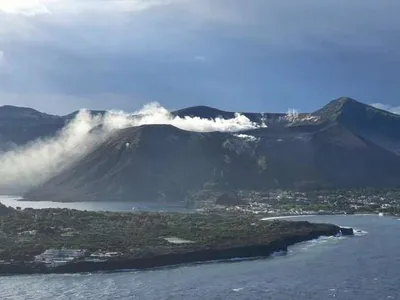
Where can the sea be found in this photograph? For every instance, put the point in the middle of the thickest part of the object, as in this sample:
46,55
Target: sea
114,206
363,267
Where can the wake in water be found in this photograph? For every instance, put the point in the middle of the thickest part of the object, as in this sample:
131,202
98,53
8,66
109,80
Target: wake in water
309,245
286,217
359,232
32,164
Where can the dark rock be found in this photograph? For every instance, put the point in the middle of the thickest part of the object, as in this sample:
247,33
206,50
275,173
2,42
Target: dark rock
346,231
5,210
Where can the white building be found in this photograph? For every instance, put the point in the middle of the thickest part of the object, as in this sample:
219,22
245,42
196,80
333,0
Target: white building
102,255
62,256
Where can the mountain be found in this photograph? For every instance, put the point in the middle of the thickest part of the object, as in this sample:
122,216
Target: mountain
378,126
334,147
206,112
345,144
270,119
20,125
155,162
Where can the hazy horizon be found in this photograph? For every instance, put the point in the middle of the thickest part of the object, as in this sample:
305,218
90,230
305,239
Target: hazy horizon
395,110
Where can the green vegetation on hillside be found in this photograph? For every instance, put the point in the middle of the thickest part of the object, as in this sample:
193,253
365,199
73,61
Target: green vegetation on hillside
29,232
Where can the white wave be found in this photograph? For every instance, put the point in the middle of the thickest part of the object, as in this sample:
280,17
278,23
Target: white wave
279,253
359,232
308,245
32,164
286,217
323,240
362,215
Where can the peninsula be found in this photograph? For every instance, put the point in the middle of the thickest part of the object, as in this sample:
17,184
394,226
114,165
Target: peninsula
71,241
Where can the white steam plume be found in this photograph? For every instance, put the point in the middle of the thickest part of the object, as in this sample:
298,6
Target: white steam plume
155,114
293,116
34,163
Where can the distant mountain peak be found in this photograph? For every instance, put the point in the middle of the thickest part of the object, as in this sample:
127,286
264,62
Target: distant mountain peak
206,107
341,105
345,100
201,111
17,108
11,111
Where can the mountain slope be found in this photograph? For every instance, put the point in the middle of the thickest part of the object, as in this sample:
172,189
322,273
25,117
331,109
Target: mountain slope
347,160
206,112
274,120
153,162
345,144
20,125
161,162
379,126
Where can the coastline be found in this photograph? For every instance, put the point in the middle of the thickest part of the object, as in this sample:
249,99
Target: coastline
42,241
328,214
256,251
18,201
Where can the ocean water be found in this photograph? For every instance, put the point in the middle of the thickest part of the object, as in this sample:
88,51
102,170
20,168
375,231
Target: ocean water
364,267
16,201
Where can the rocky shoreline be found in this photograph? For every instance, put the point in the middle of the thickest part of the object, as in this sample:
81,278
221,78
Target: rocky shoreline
171,259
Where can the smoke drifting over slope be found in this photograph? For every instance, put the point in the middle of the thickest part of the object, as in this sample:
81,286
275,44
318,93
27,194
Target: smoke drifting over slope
155,114
35,162
32,164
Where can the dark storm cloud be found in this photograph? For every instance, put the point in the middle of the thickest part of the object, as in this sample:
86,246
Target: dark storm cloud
226,53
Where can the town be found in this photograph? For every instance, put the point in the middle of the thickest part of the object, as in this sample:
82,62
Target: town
54,237
279,202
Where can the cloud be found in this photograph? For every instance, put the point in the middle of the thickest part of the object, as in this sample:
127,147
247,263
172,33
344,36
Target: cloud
38,7
4,66
154,113
389,108
147,48
305,25
200,58
2,58
24,7
32,164
313,24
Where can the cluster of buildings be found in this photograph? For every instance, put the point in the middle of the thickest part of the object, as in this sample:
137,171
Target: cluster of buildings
319,202
57,257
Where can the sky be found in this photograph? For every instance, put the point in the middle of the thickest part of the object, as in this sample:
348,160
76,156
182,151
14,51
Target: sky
257,55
